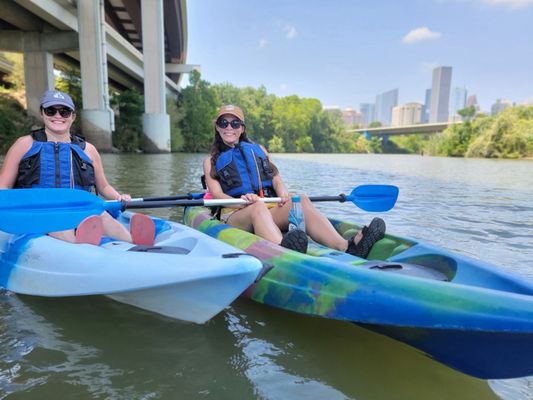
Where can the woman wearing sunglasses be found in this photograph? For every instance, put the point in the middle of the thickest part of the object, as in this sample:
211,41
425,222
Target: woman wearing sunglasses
237,167
53,157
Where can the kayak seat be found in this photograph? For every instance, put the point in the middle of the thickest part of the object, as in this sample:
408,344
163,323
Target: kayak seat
160,249
414,270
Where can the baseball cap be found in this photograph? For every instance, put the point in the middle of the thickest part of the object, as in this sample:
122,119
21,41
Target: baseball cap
56,98
232,110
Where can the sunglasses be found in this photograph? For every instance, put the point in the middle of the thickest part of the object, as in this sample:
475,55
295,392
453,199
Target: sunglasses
51,111
235,124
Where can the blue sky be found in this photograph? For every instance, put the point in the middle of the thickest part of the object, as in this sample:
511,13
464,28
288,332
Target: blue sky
345,52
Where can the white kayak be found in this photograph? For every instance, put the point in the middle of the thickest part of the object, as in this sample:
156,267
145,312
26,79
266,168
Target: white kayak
186,274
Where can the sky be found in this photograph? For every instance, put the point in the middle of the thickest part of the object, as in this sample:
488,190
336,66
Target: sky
345,52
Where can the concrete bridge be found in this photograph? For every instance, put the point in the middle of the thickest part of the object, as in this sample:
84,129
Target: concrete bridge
418,129
109,40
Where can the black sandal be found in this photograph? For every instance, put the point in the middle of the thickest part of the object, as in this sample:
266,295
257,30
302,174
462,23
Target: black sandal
371,234
295,240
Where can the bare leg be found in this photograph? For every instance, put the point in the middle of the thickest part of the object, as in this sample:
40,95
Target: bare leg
321,230
66,236
115,229
88,231
257,218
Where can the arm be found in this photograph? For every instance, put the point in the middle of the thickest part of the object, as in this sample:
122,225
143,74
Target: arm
102,185
9,171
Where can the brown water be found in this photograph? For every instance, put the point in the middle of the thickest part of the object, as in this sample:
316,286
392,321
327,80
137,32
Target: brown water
94,348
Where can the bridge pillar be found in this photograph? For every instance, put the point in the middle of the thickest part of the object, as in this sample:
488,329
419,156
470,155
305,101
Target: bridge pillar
38,77
156,121
97,117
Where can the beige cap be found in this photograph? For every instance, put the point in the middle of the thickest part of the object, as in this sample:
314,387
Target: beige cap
232,110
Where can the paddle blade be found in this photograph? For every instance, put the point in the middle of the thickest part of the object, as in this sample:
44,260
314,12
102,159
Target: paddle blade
374,197
45,210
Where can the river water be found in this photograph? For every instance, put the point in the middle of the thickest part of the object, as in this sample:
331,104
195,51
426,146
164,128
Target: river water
94,348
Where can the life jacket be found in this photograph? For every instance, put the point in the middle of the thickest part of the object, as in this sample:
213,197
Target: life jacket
56,165
244,169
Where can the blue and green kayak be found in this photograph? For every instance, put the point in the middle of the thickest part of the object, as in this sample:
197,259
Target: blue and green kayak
464,313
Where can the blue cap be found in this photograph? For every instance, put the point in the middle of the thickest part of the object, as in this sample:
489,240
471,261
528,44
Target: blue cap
56,98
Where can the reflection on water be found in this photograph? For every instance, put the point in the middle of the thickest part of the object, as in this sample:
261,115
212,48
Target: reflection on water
96,348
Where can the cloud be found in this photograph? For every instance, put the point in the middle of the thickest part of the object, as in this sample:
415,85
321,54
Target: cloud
513,4
290,31
420,34
283,87
529,101
263,43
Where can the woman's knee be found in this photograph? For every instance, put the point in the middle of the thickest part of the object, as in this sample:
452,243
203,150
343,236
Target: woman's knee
259,209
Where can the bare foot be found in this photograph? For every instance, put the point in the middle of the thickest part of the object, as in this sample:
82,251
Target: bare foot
89,231
142,229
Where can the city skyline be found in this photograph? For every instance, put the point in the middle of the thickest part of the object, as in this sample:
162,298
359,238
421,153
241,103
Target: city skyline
345,53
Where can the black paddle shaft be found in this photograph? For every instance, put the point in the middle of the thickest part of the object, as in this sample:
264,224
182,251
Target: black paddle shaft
160,204
341,198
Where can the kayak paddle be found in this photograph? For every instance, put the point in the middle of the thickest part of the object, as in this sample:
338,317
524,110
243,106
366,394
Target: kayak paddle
50,210
367,197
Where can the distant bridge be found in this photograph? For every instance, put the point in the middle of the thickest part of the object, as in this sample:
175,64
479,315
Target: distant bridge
405,129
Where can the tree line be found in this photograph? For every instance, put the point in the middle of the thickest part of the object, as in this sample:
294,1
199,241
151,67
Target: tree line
282,124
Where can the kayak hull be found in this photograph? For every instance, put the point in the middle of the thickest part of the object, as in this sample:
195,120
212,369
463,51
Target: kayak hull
466,314
186,275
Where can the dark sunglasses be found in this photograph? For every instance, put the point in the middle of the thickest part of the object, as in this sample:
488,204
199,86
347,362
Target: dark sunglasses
51,111
235,124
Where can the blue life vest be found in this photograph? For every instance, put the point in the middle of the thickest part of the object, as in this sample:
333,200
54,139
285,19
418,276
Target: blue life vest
244,169
56,165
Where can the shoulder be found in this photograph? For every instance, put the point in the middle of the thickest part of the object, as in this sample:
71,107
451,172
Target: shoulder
91,151
263,148
22,144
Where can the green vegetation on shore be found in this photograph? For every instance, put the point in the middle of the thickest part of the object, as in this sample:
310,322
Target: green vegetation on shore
282,124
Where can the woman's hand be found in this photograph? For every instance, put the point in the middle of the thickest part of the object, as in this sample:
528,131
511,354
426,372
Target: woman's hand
285,197
123,197
250,198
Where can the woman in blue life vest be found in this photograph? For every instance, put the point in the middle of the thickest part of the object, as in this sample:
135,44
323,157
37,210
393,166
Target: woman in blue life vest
237,167
53,157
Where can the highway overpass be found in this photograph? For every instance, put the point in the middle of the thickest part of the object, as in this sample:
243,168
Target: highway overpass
417,129
109,41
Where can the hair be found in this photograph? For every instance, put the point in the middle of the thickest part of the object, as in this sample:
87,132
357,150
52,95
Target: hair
219,146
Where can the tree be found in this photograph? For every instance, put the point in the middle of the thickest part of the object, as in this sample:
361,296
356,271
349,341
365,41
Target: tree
128,127
199,103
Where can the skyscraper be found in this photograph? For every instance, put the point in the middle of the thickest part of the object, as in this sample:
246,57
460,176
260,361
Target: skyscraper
385,102
457,100
407,114
427,107
367,111
440,94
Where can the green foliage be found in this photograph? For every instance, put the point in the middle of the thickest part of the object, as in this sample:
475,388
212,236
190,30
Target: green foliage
509,136
411,144
15,79
69,81
375,145
176,115
199,102
14,122
275,145
128,123
467,113
374,124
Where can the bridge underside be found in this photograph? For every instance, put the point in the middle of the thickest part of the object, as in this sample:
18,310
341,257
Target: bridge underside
103,39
